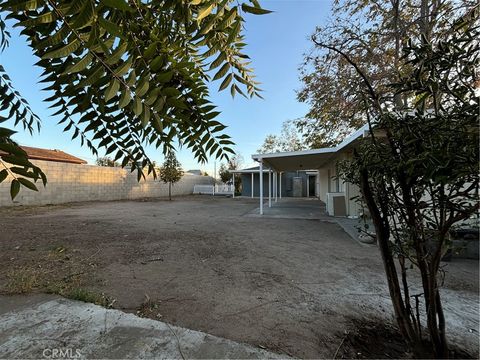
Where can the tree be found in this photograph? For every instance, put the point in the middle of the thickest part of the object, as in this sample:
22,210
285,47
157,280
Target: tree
418,171
234,163
171,172
288,140
371,33
106,161
224,174
122,74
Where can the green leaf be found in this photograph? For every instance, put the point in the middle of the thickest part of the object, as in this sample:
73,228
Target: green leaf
123,69
3,175
79,65
111,27
55,38
118,4
137,109
226,82
223,70
28,184
220,59
42,19
204,12
112,89
125,98
4,132
85,17
170,91
165,77
117,54
157,63
24,5
143,86
254,10
145,115
14,188
150,51
63,51
12,148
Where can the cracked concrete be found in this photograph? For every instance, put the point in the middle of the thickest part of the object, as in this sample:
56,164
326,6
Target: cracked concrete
43,326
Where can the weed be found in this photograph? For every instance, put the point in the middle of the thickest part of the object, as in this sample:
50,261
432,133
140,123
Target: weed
22,280
88,296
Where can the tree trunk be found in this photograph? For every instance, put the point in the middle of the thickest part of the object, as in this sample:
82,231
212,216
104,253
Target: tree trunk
170,191
382,232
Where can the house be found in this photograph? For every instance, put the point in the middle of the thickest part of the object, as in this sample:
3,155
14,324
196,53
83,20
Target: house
300,183
55,155
195,172
339,196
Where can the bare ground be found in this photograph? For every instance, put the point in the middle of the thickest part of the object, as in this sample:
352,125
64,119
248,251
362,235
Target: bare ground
292,286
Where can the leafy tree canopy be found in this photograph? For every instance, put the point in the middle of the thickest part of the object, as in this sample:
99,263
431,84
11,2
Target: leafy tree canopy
290,139
106,161
234,163
418,170
123,74
372,34
171,170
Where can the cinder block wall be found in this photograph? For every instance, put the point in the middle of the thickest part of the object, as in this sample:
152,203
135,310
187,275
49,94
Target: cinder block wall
71,182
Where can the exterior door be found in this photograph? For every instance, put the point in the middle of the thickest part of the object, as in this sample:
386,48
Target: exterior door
311,185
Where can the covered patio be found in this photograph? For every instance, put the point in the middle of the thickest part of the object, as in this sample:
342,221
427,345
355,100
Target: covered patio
334,194
294,208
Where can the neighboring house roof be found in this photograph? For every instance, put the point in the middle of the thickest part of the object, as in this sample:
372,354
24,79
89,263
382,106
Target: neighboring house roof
51,155
307,159
195,172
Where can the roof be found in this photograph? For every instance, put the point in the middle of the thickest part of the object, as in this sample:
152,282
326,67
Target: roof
308,159
249,170
34,153
195,172
255,170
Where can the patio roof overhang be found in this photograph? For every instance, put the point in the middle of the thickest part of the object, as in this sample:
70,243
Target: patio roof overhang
247,171
307,159
299,160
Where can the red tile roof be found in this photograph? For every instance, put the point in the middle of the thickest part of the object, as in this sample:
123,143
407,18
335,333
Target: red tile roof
51,155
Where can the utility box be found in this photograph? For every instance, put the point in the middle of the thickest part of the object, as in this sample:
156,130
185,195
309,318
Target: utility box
336,205
297,188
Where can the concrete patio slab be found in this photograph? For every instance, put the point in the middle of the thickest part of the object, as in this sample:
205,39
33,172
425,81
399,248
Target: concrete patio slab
307,209
45,326
293,208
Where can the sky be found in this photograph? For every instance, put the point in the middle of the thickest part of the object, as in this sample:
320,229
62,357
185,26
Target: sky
276,45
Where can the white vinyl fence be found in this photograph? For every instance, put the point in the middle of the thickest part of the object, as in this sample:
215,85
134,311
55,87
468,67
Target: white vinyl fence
213,189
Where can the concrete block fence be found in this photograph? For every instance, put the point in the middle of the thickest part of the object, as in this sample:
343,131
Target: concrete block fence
72,182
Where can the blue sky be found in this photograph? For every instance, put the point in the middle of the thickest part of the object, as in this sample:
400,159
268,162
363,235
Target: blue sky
276,44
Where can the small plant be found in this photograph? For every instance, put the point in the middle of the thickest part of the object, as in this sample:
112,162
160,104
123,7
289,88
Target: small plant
21,281
148,309
88,296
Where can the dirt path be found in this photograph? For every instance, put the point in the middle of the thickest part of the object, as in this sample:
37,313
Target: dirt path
291,286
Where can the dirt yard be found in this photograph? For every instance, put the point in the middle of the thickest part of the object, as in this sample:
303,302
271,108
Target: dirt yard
297,287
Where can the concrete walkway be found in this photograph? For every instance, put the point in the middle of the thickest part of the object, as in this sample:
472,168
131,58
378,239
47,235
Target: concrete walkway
43,326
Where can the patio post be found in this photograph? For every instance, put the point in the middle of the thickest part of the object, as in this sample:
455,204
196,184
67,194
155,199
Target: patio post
252,185
280,184
233,184
269,187
275,184
261,186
